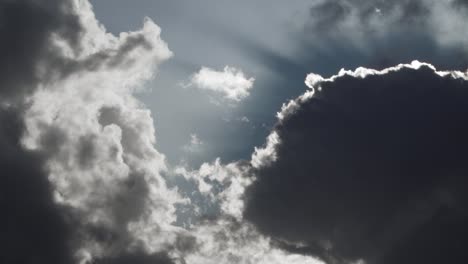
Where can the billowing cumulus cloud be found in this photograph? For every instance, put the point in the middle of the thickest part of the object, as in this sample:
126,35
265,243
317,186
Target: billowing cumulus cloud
230,83
223,184
369,167
222,236
82,181
82,171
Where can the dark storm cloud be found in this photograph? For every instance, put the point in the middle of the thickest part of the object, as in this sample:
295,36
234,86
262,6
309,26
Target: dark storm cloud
371,168
137,259
341,34
33,229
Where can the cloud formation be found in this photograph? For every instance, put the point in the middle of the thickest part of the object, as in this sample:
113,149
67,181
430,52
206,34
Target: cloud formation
222,236
81,168
29,28
390,32
29,215
369,168
82,181
231,83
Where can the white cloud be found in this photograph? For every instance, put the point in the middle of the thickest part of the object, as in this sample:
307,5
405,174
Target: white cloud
229,239
195,145
267,154
100,138
231,83
314,80
245,119
232,177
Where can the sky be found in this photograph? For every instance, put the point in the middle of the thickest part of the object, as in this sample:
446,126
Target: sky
277,44
215,131
214,38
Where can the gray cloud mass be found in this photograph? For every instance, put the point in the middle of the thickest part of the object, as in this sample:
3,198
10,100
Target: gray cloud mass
370,167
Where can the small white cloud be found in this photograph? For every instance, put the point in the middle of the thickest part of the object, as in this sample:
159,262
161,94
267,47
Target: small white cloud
195,144
231,83
245,119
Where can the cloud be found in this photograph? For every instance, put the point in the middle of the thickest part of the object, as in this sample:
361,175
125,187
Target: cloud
137,258
223,184
245,119
231,83
82,181
195,145
223,236
29,214
369,168
266,155
80,166
25,22
228,241
82,169
384,33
